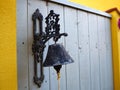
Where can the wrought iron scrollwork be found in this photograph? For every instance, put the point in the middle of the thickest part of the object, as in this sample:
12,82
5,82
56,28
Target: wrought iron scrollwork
40,38
38,47
53,28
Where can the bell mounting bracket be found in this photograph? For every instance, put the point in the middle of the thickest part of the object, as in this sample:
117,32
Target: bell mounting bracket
40,38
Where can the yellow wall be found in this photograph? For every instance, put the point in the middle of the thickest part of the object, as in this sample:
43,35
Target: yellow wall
105,5
8,73
116,49
99,4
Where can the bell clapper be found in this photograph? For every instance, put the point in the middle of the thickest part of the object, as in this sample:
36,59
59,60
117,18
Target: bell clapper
57,68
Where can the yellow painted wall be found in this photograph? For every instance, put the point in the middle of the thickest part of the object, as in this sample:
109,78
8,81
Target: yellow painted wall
105,5
99,4
8,73
116,49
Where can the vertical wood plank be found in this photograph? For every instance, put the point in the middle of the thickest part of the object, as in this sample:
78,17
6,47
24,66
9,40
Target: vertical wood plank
108,55
58,9
94,57
102,53
83,39
22,51
72,71
32,6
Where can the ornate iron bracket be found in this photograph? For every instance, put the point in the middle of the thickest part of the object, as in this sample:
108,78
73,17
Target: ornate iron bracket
39,39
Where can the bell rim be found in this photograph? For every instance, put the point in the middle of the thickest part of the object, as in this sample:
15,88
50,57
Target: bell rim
58,64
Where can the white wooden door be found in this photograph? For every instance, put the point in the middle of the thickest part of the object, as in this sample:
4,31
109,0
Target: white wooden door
88,42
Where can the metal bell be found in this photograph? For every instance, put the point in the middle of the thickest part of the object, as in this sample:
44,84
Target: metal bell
56,56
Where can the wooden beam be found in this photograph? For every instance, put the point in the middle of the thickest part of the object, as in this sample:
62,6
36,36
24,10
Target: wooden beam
113,9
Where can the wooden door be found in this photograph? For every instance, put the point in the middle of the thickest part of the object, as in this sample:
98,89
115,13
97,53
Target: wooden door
88,43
